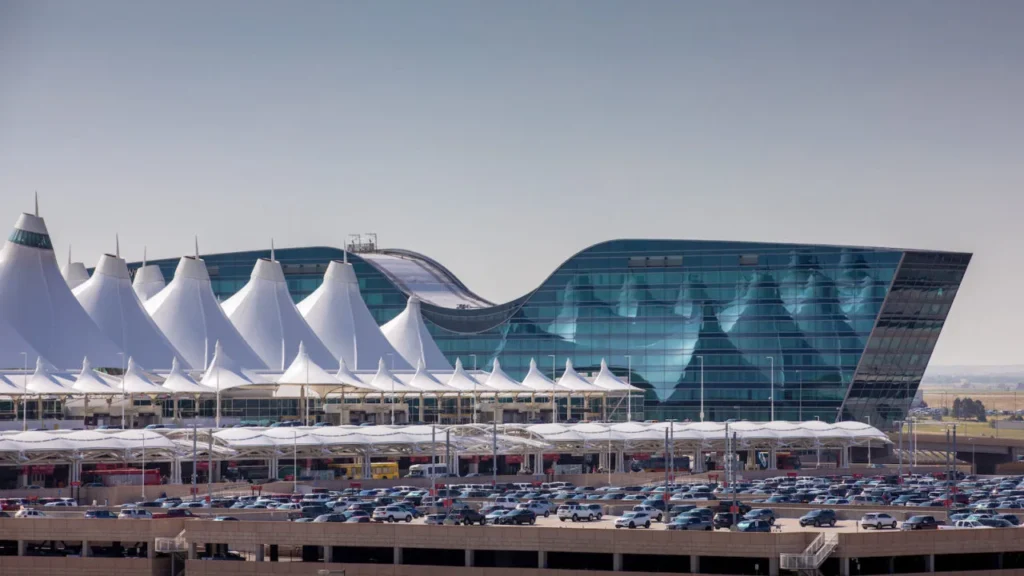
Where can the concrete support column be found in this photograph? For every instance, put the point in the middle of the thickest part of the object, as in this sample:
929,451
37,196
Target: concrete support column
844,567
772,459
192,551
86,552
469,558
328,554
542,559
21,547
617,562
620,462
999,560
929,563
694,564
398,556
259,553
773,566
150,549
892,564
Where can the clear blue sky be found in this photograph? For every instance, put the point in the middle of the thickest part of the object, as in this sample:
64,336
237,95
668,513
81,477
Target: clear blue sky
500,138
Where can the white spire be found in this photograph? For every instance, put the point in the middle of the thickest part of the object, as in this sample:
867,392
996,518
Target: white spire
143,256
408,333
197,246
37,203
117,245
272,259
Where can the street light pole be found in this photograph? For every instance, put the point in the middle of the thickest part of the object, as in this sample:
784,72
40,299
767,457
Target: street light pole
868,420
474,388
701,358
143,465
629,383
123,370
554,404
24,396
772,397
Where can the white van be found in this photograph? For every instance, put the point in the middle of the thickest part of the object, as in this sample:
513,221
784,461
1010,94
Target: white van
135,514
427,471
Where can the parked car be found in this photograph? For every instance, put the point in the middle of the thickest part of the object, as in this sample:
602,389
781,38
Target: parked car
818,518
29,513
519,516
135,513
766,514
100,514
535,507
225,519
391,514
753,526
722,520
678,509
633,519
577,512
877,520
466,517
435,519
920,523
690,523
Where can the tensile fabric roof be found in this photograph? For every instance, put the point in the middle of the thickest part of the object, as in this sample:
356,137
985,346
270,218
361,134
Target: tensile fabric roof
149,280
265,315
408,333
90,381
338,315
37,304
111,302
189,315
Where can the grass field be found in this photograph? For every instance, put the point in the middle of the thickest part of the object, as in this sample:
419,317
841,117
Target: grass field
936,397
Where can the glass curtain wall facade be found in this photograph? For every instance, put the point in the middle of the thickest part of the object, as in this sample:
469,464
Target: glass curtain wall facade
755,330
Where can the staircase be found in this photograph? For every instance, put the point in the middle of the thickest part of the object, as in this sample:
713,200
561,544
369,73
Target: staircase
809,562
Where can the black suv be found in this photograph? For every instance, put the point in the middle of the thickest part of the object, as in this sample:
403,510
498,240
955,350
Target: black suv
466,516
724,505
518,516
722,520
818,518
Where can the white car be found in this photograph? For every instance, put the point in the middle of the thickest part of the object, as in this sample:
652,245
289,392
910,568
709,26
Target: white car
506,502
391,514
633,519
135,514
61,504
877,521
535,507
289,506
650,510
29,513
316,498
577,512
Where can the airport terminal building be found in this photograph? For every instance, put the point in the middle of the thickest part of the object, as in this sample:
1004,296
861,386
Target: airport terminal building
766,331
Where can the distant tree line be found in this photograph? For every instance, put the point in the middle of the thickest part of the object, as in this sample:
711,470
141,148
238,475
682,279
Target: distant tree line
968,409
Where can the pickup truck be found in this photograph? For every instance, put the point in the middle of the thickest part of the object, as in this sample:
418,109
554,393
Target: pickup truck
921,523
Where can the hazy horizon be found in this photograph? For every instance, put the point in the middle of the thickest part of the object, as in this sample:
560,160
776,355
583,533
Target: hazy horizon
501,138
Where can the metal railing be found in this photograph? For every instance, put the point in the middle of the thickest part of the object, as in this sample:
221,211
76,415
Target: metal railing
170,545
813,556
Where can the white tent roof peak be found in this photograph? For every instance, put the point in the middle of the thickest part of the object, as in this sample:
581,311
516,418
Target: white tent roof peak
189,315
265,315
408,333
461,380
37,304
74,273
500,381
425,381
91,382
179,381
110,300
571,380
608,381
536,380
224,373
135,381
304,371
385,381
149,280
346,376
337,314
45,380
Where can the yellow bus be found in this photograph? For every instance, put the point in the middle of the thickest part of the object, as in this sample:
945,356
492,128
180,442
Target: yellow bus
378,470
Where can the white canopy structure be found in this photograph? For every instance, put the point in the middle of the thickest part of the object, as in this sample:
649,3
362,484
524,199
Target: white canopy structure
74,273
265,315
179,382
15,352
610,382
572,381
135,381
385,381
188,314
111,302
92,382
338,315
408,333
461,380
149,280
12,386
37,304
224,373
536,381
47,381
347,376
424,381
499,381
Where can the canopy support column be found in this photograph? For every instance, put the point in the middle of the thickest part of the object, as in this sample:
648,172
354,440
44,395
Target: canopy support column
421,409
772,458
